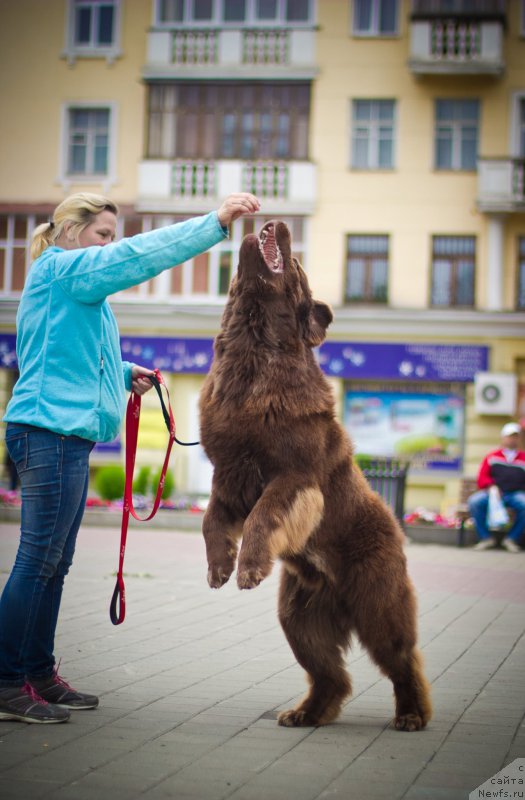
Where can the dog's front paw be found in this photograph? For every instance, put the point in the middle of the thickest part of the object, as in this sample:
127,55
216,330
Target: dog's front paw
218,575
250,577
408,722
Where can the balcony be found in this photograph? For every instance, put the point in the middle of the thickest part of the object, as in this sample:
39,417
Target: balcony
501,185
226,54
182,185
464,37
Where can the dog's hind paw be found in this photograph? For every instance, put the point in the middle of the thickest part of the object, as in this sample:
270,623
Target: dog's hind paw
217,577
295,718
408,722
250,578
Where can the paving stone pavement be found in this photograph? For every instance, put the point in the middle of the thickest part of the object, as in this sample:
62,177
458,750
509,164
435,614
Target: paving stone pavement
191,682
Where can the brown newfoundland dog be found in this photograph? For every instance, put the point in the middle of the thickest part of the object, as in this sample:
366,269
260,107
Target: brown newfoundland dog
284,481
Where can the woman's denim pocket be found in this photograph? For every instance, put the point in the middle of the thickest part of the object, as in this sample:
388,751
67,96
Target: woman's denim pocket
17,447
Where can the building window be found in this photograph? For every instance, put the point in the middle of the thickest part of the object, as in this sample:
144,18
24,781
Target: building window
93,29
196,13
229,120
367,269
94,24
456,134
520,295
453,271
373,134
375,17
88,141
206,277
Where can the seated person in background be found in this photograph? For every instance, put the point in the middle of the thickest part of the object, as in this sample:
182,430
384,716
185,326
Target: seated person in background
504,468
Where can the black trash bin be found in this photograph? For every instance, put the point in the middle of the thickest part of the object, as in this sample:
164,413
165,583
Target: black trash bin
387,477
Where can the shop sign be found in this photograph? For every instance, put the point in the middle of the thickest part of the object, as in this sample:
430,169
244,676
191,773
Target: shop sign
352,360
414,362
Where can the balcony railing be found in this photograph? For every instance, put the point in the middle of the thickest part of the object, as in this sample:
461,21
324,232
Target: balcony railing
454,40
456,46
265,47
221,53
193,179
501,184
266,179
194,47
288,187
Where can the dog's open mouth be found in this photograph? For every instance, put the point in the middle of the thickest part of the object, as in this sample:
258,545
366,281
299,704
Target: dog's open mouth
270,249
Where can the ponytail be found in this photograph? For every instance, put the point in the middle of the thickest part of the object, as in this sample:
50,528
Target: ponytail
42,237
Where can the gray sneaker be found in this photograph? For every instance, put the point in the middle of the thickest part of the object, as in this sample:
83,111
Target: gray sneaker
510,545
58,692
485,544
24,704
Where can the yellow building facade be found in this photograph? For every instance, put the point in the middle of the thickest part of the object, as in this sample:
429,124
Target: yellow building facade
390,136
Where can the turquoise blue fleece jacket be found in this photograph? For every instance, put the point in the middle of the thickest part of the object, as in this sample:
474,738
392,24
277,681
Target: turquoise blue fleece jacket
72,377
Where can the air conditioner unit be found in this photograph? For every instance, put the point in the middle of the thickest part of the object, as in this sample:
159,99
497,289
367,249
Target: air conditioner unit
495,393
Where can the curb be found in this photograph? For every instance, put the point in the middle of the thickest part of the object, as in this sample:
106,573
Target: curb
192,521
164,518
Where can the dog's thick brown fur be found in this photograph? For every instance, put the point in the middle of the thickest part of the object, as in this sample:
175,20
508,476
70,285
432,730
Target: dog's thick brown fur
285,482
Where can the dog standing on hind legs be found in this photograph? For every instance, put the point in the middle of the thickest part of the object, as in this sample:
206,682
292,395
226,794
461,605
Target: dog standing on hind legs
285,486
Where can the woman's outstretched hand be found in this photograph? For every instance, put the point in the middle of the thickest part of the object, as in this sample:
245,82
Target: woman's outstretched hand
236,205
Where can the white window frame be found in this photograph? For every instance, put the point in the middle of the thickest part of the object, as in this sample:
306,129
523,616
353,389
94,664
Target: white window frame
106,181
250,19
373,32
373,139
73,51
8,245
457,136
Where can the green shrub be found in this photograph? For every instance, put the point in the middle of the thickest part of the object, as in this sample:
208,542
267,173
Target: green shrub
142,481
169,483
110,481
363,460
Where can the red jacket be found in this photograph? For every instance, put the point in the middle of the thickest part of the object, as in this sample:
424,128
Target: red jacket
509,476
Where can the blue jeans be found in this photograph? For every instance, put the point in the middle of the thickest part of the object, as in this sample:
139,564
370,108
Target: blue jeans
54,472
478,504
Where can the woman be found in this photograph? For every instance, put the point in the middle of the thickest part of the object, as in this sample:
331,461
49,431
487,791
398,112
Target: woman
71,394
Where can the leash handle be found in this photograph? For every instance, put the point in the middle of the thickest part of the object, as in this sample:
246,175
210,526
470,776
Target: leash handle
157,382
117,610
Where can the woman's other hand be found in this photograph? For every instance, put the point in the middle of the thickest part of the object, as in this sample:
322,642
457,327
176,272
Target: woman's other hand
236,205
139,379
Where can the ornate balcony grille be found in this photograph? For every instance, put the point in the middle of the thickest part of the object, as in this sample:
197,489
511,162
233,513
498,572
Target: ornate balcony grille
266,179
265,47
193,179
194,47
453,40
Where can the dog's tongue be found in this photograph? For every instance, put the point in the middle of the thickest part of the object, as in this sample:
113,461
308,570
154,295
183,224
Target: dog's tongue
270,249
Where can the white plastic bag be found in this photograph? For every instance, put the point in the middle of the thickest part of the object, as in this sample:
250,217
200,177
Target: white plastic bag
497,515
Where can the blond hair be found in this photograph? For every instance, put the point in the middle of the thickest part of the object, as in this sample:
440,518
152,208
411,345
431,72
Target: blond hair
79,210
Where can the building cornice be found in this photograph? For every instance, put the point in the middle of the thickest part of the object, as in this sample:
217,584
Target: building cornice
163,319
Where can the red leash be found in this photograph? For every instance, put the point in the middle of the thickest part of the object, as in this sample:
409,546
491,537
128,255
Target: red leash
117,610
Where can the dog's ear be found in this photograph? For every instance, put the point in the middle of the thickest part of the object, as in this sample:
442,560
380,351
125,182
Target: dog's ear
320,318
